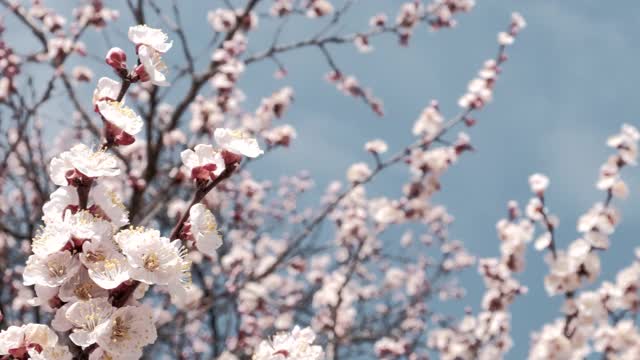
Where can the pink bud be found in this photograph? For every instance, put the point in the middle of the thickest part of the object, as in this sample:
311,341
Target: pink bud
469,121
116,58
334,76
404,39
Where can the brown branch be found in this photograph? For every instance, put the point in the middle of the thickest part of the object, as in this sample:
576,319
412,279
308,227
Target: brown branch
197,82
197,198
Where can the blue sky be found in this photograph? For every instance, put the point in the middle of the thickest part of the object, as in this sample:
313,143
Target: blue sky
570,82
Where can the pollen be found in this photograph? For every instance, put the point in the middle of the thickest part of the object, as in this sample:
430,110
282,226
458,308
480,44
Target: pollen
124,110
85,218
185,274
151,262
115,199
210,224
83,291
98,154
136,229
56,269
95,256
42,238
111,264
239,134
119,330
158,63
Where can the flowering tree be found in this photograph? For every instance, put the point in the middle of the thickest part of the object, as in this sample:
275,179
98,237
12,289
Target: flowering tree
146,233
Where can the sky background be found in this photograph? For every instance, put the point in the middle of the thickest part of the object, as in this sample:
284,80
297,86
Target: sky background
570,82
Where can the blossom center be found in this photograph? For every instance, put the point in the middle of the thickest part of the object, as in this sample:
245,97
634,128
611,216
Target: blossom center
115,199
238,134
123,110
56,269
210,224
151,262
111,264
91,321
83,291
157,62
95,256
119,330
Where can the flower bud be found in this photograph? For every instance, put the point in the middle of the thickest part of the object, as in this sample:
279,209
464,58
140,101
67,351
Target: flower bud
116,58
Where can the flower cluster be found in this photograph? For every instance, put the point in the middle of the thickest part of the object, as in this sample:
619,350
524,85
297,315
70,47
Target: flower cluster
444,10
587,314
318,8
32,341
581,261
150,45
9,67
87,267
230,69
82,264
480,89
295,345
349,85
206,259
95,14
487,334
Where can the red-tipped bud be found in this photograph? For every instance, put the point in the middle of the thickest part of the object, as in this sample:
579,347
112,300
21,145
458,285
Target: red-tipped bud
230,158
469,121
116,58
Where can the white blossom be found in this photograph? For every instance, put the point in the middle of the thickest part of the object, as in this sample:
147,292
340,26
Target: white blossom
107,89
128,330
89,163
319,8
295,345
204,229
109,205
80,287
154,67
51,270
57,352
106,266
86,317
16,338
376,146
538,183
430,121
203,162
222,20
81,226
505,39
156,39
120,116
153,259
358,172
237,142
